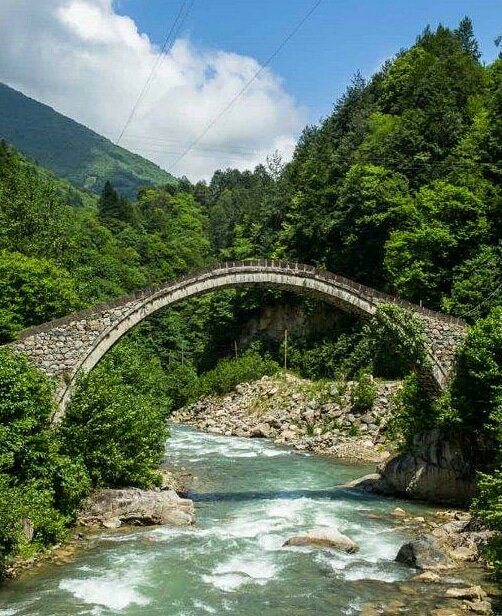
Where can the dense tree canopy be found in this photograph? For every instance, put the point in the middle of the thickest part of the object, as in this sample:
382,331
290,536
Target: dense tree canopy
398,188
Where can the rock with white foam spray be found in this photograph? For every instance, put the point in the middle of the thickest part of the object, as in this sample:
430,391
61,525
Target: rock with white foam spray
328,538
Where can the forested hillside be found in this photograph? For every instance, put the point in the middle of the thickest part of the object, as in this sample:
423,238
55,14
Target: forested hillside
398,188
71,150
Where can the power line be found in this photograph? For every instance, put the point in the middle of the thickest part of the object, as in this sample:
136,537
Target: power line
248,83
206,149
483,301
159,145
184,142
183,13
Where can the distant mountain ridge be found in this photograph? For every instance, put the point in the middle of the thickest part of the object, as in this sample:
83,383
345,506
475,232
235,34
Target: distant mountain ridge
72,150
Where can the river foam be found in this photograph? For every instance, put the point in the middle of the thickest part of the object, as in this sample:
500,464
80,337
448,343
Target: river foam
115,592
247,568
115,587
250,498
194,446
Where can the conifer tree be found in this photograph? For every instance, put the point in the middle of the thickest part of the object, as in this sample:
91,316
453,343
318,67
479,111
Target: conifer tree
465,34
109,202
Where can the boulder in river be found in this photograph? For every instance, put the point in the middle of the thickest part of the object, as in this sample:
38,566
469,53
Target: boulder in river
436,469
423,553
262,430
137,507
328,538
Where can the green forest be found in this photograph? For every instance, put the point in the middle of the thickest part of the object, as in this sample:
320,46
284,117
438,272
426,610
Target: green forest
399,188
71,150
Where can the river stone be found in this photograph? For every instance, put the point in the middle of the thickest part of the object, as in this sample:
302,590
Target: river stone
473,592
137,507
423,553
263,430
288,435
111,523
478,607
328,538
426,576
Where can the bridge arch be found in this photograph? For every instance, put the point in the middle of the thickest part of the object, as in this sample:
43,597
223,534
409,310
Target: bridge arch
68,347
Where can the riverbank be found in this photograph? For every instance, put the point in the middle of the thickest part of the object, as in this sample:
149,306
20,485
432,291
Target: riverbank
318,417
111,509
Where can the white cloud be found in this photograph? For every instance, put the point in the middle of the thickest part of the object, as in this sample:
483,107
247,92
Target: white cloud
90,63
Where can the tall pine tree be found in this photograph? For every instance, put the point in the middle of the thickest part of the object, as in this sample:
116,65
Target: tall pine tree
109,202
465,34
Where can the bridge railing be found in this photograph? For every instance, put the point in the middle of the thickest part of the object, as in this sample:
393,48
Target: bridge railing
216,270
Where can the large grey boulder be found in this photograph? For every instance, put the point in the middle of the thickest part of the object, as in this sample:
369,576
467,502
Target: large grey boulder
112,508
325,538
435,469
423,553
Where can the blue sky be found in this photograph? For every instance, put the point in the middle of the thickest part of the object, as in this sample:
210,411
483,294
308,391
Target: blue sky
341,38
91,59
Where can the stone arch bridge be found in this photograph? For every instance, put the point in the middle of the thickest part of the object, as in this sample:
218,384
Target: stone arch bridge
68,347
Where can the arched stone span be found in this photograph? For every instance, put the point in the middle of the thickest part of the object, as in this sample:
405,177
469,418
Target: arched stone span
66,347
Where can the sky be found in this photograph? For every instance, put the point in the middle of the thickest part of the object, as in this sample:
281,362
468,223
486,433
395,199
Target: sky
91,59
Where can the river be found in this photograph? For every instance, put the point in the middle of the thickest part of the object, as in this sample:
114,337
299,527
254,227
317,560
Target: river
250,497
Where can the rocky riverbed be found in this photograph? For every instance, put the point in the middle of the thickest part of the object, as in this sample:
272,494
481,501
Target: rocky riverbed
276,533
323,418
449,546
317,417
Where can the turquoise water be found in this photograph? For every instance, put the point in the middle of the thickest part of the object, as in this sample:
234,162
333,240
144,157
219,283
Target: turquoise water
250,497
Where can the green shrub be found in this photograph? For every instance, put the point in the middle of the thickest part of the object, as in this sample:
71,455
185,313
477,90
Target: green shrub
325,359
37,482
363,394
116,419
182,384
476,390
32,501
488,506
416,410
228,373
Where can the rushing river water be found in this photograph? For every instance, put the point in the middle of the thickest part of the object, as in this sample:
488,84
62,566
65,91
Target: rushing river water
250,497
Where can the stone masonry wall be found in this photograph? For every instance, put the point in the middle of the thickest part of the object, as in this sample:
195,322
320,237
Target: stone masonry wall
59,350
63,347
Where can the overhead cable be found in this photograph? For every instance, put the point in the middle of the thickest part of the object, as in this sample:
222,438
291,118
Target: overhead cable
262,68
181,16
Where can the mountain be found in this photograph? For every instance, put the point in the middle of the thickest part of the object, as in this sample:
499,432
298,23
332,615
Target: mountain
72,150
